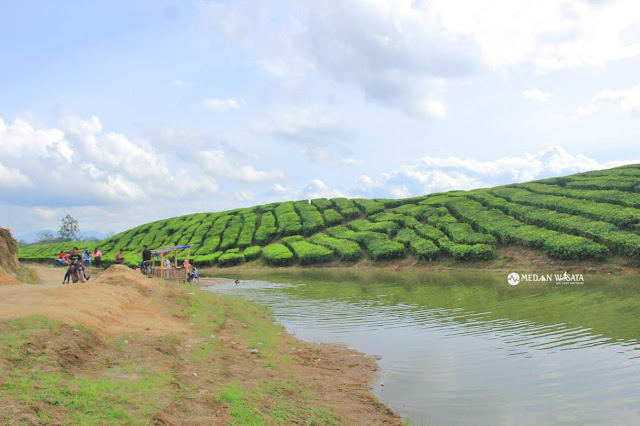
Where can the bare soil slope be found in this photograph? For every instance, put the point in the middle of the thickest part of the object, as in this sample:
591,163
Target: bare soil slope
121,304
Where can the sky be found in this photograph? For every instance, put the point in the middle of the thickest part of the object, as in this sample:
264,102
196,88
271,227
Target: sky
124,112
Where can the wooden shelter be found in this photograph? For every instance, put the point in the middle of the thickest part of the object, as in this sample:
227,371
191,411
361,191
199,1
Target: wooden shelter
174,271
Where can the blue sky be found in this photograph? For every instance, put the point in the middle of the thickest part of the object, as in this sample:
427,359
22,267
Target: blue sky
120,113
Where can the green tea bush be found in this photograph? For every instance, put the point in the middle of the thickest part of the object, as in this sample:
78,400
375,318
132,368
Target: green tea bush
472,252
572,247
248,229
308,253
267,207
462,233
322,204
231,232
346,207
230,259
369,207
420,248
346,250
618,184
391,203
623,198
332,217
252,253
277,255
419,212
288,219
312,220
267,229
621,216
219,225
624,243
364,225
379,245
209,245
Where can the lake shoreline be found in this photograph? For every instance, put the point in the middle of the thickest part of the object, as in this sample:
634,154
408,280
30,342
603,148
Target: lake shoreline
508,259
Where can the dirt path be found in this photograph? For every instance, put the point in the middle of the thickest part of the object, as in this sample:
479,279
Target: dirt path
122,304
113,302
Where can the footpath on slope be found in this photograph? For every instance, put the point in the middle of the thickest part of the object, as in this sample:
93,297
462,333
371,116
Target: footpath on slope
120,305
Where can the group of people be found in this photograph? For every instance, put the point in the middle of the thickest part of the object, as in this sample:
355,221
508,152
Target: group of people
87,256
75,262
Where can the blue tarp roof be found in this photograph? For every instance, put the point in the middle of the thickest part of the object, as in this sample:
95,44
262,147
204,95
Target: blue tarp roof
166,249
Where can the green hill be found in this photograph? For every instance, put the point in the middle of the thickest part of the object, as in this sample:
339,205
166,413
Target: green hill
587,215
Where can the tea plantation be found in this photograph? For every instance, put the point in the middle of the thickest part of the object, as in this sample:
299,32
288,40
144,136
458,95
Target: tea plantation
590,215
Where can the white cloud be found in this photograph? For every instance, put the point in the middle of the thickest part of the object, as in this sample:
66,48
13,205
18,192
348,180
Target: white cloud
45,212
13,178
314,129
221,105
79,164
537,95
319,189
217,163
626,101
432,174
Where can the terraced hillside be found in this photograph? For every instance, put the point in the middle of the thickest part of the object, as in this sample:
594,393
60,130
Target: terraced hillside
588,215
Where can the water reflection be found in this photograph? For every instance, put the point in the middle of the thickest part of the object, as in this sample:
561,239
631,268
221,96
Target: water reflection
469,348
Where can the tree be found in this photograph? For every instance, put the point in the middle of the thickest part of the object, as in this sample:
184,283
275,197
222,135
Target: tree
69,229
46,237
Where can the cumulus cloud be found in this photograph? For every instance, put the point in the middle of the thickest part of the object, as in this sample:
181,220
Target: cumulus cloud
319,189
625,101
78,164
537,95
221,105
432,174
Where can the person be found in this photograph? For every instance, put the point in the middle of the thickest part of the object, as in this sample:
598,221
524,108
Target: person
237,282
86,256
75,259
146,258
167,264
186,264
97,257
63,255
120,257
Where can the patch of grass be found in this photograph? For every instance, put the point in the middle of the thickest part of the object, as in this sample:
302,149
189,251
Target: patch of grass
26,275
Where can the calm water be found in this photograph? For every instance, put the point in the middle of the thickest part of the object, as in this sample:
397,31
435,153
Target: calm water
471,349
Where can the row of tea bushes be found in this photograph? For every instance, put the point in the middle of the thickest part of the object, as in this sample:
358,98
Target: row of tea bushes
248,229
307,252
312,220
621,216
288,219
267,229
623,198
346,207
420,247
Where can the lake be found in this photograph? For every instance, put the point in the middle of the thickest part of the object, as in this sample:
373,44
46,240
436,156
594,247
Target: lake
468,348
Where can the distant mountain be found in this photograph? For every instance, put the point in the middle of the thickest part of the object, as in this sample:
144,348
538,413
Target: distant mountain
32,237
